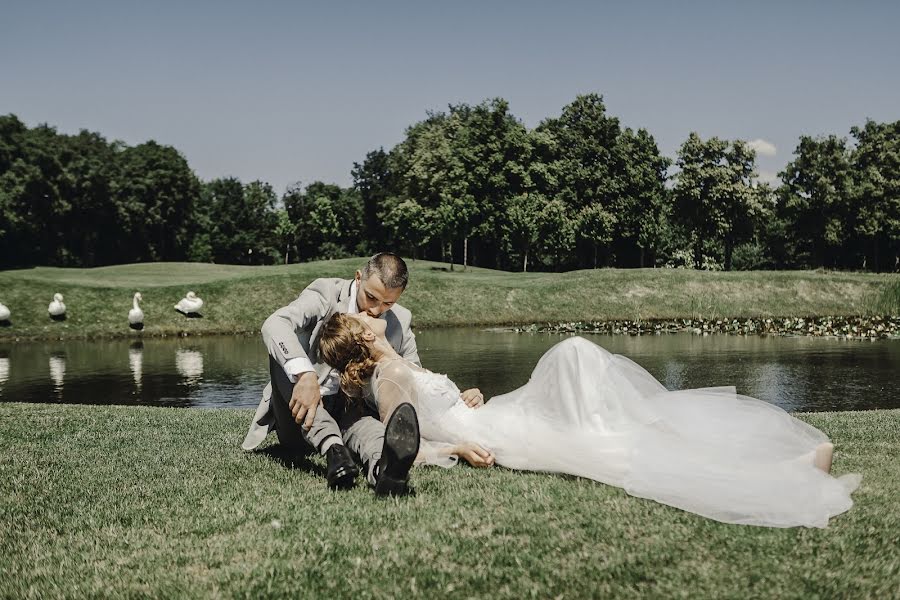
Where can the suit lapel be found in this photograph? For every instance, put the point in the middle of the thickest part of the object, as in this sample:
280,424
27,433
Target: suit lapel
344,296
393,332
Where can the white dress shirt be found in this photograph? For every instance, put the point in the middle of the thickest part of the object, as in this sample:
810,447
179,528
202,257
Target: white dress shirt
295,366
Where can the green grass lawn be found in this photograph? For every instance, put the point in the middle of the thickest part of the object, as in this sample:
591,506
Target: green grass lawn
138,501
238,299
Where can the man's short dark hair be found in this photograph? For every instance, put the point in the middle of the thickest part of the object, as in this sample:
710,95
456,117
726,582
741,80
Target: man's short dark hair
390,268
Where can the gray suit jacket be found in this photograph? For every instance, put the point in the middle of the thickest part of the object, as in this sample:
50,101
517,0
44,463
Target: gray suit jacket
294,330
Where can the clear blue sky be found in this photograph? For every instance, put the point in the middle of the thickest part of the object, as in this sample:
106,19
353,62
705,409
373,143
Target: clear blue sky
287,91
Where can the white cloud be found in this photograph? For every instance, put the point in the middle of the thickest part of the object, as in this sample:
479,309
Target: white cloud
763,147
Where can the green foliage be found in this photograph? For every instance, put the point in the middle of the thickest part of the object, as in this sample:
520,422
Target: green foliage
815,201
750,256
876,194
521,230
470,184
328,221
375,182
409,224
556,232
715,200
240,222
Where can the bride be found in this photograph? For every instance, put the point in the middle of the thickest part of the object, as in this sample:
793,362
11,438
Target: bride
593,414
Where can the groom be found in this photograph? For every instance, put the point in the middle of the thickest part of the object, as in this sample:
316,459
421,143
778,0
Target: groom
301,401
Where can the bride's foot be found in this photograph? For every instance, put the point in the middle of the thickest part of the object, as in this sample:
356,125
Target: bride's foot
823,457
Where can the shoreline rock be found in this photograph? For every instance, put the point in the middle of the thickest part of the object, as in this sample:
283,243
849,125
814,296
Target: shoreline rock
875,327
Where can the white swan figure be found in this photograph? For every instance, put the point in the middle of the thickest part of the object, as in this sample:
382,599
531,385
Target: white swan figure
189,304
57,308
4,312
136,315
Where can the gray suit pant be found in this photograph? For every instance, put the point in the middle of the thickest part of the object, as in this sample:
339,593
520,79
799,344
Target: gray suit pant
357,426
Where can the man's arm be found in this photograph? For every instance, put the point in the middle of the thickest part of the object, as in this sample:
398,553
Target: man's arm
279,331
280,335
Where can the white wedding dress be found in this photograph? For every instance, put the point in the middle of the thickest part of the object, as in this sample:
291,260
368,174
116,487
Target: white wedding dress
593,414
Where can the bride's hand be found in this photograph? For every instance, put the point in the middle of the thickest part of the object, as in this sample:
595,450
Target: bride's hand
475,455
473,398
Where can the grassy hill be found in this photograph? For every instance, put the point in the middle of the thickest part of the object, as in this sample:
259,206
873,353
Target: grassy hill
239,298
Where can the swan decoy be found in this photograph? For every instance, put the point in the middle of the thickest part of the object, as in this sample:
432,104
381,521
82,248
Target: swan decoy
57,309
189,304
4,313
136,315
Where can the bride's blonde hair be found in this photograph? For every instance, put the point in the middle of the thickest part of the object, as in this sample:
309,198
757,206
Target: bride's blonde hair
343,346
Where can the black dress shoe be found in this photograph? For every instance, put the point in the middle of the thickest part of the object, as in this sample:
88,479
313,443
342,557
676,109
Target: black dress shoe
401,444
341,469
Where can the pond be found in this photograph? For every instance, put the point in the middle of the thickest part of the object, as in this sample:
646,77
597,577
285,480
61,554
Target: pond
796,373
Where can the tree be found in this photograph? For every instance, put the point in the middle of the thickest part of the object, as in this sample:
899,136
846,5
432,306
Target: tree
430,177
876,194
243,221
260,221
586,161
713,196
521,227
32,195
329,221
409,225
741,199
91,167
641,207
375,182
556,233
814,201
490,150
155,194
594,226
285,233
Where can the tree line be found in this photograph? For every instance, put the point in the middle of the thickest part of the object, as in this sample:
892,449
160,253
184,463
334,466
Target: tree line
472,186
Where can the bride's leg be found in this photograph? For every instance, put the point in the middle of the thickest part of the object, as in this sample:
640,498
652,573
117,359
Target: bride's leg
824,456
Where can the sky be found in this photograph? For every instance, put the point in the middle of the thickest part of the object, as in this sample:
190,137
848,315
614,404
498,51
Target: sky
299,91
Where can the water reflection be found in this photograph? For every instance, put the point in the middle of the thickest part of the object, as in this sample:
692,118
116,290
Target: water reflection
136,363
189,364
4,371
795,373
58,372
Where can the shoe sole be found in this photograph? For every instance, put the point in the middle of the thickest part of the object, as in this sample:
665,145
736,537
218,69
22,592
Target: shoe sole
401,445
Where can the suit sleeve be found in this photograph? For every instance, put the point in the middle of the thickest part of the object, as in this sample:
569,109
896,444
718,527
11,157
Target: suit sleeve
280,330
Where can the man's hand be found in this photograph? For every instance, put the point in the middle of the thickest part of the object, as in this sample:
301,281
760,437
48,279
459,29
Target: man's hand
473,398
475,455
305,399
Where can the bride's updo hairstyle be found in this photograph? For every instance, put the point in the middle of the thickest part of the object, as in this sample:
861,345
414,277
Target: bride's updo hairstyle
343,346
